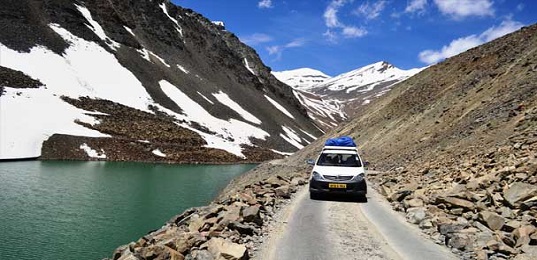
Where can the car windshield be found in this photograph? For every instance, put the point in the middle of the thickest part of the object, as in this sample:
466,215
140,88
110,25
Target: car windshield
337,159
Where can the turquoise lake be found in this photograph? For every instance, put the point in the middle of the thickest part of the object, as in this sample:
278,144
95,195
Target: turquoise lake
84,210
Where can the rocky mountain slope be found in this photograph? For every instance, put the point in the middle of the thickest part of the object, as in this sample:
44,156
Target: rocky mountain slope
456,145
137,80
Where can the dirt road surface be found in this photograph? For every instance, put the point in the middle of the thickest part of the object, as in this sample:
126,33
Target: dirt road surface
341,228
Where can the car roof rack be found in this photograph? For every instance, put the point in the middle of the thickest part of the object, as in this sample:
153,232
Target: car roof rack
349,148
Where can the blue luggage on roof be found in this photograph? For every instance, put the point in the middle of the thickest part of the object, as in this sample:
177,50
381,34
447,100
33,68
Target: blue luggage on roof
340,141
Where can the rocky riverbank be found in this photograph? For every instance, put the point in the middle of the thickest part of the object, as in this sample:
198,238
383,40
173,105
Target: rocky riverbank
232,227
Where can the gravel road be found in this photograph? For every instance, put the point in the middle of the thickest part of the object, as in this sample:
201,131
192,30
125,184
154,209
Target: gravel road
339,228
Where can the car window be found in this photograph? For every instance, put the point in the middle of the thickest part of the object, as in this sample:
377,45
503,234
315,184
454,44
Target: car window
335,159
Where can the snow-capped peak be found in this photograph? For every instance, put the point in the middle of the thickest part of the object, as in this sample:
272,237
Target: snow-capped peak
303,78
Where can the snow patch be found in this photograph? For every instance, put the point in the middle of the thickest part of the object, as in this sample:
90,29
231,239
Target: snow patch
93,153
248,66
97,28
230,134
308,134
279,107
282,153
28,117
208,100
129,30
157,152
178,28
183,69
291,137
227,101
84,69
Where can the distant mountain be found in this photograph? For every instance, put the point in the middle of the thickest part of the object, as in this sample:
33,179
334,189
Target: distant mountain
302,79
137,80
330,100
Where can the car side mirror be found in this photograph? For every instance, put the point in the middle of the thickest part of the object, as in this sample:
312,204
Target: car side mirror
366,164
310,161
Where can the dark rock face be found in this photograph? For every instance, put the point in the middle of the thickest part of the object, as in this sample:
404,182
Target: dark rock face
189,51
16,79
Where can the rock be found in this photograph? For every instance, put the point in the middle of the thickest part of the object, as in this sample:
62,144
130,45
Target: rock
188,240
461,241
522,235
456,202
449,228
251,214
415,215
492,220
230,214
242,228
413,203
519,192
283,192
199,255
510,226
222,249
399,195
275,181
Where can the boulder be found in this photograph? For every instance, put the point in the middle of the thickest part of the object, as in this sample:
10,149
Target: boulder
457,203
283,192
415,215
222,249
522,235
242,228
251,214
519,192
413,203
492,220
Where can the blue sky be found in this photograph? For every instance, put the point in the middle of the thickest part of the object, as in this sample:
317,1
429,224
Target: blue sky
336,36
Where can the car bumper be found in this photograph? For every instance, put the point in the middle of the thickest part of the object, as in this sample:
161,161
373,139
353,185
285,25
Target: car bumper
352,187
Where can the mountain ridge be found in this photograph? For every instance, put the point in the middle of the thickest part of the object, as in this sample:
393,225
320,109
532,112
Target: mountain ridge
160,54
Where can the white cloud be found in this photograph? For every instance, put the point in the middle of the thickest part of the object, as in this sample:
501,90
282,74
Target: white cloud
370,11
330,14
256,38
265,4
416,6
331,21
274,49
520,7
354,32
465,43
330,36
278,49
459,9
296,43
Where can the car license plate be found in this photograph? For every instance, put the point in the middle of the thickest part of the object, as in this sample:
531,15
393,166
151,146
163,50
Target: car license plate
337,185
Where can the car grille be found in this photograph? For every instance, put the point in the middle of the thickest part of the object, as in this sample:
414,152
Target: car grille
337,178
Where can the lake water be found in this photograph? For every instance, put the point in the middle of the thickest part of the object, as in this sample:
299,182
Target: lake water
84,210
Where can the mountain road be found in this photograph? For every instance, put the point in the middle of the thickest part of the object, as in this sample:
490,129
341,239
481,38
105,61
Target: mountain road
341,228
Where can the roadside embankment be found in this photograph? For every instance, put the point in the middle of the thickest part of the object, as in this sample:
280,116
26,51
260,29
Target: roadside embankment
229,228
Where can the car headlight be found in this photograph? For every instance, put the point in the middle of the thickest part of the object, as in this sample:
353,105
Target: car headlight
359,177
317,176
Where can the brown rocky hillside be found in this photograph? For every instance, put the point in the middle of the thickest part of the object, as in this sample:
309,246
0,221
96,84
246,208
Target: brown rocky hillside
457,145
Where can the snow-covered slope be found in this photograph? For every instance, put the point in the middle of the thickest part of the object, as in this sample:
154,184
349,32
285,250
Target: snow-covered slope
302,79
108,87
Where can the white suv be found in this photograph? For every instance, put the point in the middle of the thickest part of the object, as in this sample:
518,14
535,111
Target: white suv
338,169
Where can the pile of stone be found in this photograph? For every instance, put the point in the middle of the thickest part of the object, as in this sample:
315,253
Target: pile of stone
230,228
483,205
